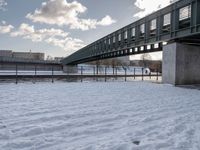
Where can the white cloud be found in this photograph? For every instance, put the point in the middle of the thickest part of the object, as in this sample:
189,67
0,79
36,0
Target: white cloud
149,6
56,37
4,28
61,12
3,3
107,20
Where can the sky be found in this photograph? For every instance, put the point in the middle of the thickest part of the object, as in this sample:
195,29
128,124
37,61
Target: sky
60,27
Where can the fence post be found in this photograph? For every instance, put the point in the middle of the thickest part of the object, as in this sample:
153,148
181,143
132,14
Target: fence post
16,74
93,70
35,73
150,74
116,73
142,74
134,73
125,73
52,76
105,72
97,69
35,70
81,73
157,75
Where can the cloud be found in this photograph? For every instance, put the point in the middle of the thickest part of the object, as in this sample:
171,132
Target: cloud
56,37
4,28
149,6
107,20
61,12
3,3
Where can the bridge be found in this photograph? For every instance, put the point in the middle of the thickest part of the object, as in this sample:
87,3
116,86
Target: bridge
175,30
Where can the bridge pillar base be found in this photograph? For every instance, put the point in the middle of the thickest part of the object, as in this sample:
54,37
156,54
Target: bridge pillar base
70,68
181,64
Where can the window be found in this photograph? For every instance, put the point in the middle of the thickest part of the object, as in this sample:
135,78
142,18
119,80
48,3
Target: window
114,39
133,32
164,43
119,37
167,19
148,47
142,29
125,35
185,13
142,48
109,41
153,24
156,45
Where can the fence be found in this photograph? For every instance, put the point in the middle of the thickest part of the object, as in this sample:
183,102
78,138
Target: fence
80,74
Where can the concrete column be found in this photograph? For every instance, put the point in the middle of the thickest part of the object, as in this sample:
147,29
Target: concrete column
181,64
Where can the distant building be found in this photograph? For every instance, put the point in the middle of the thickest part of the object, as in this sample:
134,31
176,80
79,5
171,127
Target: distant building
28,55
22,55
5,53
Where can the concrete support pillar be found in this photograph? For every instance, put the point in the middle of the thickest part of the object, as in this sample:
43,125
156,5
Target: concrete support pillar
181,64
70,69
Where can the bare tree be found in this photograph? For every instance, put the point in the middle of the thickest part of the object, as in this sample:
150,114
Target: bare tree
145,59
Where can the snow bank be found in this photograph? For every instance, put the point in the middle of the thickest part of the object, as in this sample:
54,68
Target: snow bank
99,116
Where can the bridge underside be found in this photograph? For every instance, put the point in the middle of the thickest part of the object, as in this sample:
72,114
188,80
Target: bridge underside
189,40
118,53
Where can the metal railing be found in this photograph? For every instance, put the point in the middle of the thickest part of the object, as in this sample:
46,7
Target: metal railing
81,74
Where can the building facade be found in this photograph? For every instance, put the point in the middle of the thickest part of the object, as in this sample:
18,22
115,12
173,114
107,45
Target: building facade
5,53
28,55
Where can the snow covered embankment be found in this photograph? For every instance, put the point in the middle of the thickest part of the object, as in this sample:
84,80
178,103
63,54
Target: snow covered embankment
99,116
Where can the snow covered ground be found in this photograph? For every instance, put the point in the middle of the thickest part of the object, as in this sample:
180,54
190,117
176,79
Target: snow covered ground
99,116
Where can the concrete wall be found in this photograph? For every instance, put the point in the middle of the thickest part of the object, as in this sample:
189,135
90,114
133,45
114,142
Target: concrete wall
181,64
169,64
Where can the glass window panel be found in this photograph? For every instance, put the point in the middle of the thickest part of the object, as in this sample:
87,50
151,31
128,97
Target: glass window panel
142,28
185,13
119,37
133,32
153,24
156,45
148,47
167,19
125,35
114,40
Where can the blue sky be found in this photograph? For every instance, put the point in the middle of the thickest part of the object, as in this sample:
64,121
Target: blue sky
60,27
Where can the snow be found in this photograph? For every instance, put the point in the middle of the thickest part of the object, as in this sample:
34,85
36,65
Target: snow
99,116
